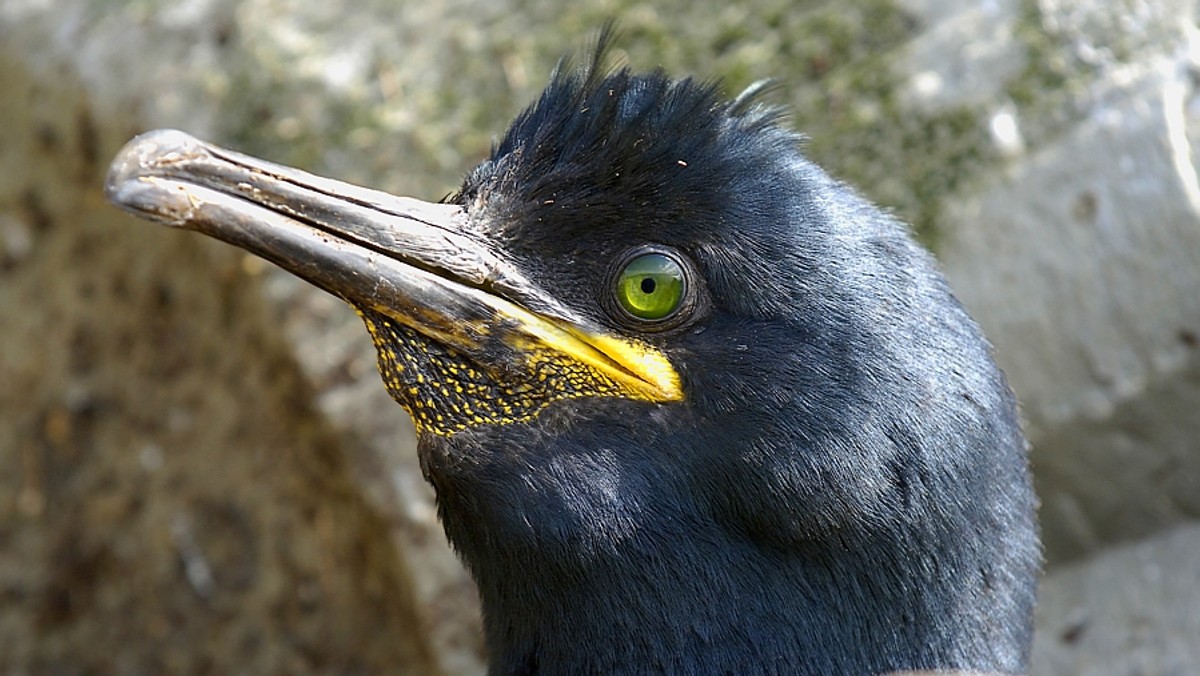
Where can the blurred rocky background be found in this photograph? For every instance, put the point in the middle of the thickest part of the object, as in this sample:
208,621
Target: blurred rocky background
200,472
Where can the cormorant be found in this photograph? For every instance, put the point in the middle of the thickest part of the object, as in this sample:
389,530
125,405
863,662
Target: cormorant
689,404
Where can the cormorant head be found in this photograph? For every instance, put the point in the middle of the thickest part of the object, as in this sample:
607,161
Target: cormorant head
687,402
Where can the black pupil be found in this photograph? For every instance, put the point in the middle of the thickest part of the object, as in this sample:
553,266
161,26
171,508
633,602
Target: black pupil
647,285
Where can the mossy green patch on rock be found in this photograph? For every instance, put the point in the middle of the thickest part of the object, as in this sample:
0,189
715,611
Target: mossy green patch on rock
418,129
1053,79
835,65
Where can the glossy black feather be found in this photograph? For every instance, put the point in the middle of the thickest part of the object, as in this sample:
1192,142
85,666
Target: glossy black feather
844,489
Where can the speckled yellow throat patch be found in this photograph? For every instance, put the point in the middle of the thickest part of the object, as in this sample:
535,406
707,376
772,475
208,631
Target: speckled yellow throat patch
445,391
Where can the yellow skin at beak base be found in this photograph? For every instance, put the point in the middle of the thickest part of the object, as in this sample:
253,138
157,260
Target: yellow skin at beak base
446,393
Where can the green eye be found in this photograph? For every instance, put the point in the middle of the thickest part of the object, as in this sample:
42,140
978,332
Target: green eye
651,286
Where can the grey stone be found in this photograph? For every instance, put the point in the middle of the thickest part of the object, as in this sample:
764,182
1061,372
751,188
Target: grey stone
944,69
1130,610
1083,264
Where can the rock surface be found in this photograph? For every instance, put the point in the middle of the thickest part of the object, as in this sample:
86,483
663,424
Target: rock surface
1081,258
170,502
1130,610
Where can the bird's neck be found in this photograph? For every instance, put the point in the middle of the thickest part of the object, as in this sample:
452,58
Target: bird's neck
595,568
666,615
751,610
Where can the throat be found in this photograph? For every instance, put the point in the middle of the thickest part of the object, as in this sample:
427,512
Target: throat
631,621
447,390
681,614
593,568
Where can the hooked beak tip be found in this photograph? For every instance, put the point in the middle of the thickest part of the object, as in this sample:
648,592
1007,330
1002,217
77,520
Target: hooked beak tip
139,159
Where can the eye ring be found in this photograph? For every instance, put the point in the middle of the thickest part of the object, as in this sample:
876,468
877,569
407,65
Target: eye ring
651,287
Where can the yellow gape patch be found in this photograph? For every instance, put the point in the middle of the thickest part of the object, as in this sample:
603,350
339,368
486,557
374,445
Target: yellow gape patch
446,392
